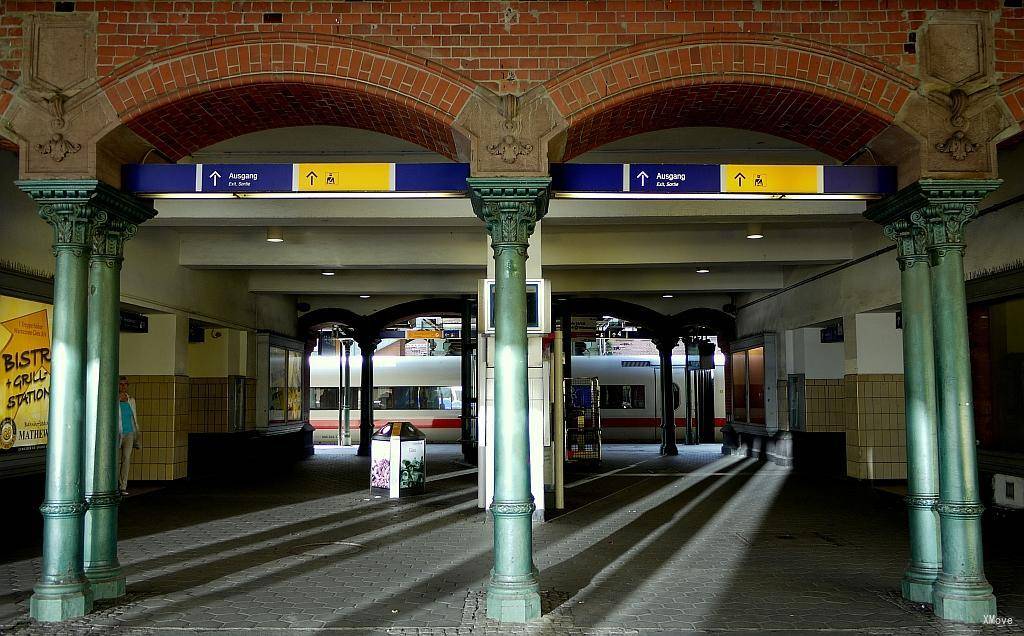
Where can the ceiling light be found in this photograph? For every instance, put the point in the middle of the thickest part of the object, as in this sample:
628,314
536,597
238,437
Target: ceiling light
275,235
667,296
364,296
754,231
703,270
327,273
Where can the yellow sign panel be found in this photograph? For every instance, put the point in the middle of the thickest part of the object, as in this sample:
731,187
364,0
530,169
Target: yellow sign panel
772,179
413,334
345,177
24,372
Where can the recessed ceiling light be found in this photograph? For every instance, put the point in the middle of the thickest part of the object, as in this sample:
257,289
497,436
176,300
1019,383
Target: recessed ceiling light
275,235
703,270
364,296
754,231
327,273
667,296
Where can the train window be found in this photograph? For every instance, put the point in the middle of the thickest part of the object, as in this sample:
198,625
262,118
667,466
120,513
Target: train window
675,397
325,398
623,396
415,398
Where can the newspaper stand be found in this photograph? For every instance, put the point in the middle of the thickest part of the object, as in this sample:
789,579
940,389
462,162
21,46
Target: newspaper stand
582,420
397,460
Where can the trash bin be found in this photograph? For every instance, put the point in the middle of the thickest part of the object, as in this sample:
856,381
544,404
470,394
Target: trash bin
397,460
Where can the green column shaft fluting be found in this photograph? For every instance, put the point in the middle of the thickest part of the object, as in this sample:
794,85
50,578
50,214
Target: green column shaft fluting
665,344
80,458
511,208
921,419
367,345
63,591
928,217
961,592
102,419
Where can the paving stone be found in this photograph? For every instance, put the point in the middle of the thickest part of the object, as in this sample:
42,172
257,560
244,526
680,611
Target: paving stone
695,543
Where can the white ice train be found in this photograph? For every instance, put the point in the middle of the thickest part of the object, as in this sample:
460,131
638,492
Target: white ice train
427,392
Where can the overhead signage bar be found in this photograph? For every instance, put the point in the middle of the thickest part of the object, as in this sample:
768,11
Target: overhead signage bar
429,180
303,180
714,181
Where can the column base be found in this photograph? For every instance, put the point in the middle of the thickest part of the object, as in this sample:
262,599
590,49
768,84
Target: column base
670,450
518,604
964,601
106,584
55,603
918,586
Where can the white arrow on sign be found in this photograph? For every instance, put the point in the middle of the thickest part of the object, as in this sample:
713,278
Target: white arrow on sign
215,175
643,176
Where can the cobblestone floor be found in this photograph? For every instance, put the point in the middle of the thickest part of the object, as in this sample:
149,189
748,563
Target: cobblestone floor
695,543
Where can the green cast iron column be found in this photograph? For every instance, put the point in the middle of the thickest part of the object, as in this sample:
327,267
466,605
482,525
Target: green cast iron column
367,345
511,208
118,216
922,429
665,345
63,592
961,592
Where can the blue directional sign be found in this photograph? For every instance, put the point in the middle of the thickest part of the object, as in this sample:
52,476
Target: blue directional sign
246,177
673,178
269,178
623,180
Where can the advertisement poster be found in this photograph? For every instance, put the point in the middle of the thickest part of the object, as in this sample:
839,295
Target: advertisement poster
25,381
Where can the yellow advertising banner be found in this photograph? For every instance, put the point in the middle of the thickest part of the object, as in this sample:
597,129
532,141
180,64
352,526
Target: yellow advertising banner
25,328
345,177
772,179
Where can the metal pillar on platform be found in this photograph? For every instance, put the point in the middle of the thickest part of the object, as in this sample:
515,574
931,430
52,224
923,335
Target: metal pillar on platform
511,207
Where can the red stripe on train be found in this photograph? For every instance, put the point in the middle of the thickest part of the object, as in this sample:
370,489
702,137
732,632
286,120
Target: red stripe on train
417,422
608,422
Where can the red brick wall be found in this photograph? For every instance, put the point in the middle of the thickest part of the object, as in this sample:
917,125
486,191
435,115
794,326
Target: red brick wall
535,42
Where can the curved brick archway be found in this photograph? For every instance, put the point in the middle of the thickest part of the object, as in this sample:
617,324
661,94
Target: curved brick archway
188,97
827,98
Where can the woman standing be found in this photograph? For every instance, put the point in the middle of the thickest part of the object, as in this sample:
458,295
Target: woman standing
129,432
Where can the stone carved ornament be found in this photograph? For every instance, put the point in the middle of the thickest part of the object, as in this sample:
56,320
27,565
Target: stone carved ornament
510,148
958,145
57,147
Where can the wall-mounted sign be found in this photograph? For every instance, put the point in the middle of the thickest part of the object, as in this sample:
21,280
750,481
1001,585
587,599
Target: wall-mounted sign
538,304
413,334
132,322
25,328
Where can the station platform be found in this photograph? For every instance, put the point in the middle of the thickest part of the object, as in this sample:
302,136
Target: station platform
697,543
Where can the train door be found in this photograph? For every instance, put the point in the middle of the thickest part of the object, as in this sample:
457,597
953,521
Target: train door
678,401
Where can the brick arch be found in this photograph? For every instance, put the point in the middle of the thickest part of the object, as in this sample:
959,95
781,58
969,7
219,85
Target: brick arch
187,97
828,98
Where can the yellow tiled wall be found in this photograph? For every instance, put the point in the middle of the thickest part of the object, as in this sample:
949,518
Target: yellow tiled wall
875,426
208,405
825,407
162,402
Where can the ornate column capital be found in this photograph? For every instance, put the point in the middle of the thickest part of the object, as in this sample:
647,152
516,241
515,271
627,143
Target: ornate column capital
910,242
928,217
510,208
87,214
665,341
